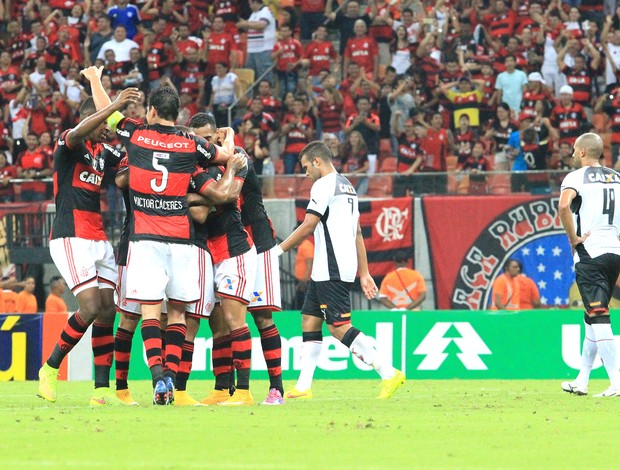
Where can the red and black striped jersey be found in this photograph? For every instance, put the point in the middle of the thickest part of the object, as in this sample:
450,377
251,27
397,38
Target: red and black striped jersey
528,103
465,142
535,156
226,236
296,138
78,173
501,26
568,121
253,214
162,160
581,82
409,150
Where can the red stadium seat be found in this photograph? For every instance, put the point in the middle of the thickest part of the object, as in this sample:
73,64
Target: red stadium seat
385,149
285,187
388,165
303,188
279,166
500,184
380,186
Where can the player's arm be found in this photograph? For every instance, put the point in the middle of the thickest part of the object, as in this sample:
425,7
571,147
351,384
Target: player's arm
93,75
299,235
369,288
88,125
199,213
226,190
566,217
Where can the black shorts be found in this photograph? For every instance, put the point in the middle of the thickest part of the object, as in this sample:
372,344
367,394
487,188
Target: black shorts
330,300
596,279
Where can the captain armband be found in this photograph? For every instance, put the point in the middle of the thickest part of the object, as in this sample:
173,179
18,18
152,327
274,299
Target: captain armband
114,119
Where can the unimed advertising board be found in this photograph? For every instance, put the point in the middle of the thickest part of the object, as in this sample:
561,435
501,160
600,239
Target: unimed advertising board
426,345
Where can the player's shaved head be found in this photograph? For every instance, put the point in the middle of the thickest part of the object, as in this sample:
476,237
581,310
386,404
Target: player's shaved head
87,107
591,143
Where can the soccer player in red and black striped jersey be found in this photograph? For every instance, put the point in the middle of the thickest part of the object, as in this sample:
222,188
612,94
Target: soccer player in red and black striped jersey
161,253
79,244
266,289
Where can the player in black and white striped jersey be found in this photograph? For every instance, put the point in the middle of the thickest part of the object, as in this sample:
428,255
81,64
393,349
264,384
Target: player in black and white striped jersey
333,216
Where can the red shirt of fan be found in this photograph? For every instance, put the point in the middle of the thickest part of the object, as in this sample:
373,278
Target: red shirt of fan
219,46
291,53
320,54
363,51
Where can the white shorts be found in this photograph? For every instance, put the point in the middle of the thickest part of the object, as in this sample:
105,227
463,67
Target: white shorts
159,270
120,295
204,306
84,263
234,277
266,293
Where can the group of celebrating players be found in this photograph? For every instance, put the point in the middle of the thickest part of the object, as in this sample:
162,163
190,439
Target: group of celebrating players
197,241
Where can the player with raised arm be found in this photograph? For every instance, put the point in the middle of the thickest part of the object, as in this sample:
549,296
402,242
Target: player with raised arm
162,259
339,253
79,245
589,210
266,289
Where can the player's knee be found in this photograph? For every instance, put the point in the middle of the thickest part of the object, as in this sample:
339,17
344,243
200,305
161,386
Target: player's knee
262,319
128,322
90,308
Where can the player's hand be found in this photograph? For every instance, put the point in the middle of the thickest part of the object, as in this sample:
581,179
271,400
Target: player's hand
128,95
92,73
369,288
237,162
577,241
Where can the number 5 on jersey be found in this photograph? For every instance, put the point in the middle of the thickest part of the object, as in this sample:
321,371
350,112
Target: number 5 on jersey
158,188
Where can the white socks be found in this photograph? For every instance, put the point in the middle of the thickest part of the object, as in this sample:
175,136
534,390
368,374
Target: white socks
310,352
607,350
363,348
588,354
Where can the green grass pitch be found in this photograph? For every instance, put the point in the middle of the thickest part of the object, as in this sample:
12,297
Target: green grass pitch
428,424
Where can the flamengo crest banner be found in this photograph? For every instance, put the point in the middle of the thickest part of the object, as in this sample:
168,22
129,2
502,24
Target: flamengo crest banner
470,238
387,226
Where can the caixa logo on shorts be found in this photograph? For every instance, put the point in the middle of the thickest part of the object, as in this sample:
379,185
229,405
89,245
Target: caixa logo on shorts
530,232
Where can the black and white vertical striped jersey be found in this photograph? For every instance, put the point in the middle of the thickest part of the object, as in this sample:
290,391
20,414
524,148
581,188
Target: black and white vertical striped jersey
334,200
596,209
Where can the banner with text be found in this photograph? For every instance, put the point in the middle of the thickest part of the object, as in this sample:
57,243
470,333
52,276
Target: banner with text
20,346
541,344
387,226
470,238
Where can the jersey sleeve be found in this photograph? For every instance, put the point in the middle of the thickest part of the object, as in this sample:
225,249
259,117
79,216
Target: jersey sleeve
572,181
320,196
200,180
62,146
205,151
124,127
112,156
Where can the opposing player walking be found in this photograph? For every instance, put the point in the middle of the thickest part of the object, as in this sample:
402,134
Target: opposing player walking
339,253
589,209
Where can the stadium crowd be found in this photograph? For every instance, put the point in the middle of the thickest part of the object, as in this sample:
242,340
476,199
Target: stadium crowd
406,86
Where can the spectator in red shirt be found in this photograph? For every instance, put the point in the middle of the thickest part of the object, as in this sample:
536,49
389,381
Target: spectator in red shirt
220,46
32,164
363,50
319,54
568,117
299,130
288,54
